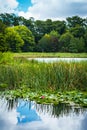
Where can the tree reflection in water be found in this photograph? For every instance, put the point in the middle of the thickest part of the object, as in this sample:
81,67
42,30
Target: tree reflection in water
19,114
59,110
53,110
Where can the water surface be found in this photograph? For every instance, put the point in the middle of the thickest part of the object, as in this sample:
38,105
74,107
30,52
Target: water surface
19,114
58,59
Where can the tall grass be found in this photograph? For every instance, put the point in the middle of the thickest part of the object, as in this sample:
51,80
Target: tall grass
44,76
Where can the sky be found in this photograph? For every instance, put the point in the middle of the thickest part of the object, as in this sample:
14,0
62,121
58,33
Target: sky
45,9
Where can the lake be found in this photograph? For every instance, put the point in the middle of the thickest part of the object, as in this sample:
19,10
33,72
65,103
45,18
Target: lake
58,59
19,114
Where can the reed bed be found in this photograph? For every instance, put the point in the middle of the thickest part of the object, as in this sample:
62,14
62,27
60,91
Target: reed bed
44,76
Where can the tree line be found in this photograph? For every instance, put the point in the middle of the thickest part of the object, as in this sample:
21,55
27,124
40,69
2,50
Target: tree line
18,34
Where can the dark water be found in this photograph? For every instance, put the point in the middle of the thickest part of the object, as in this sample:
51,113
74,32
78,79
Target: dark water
19,114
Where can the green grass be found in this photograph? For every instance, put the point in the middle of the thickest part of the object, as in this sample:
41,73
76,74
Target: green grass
34,54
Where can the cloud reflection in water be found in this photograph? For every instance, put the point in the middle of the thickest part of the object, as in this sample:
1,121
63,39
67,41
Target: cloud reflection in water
26,115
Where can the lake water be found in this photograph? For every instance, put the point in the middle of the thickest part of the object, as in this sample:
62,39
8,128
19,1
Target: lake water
57,59
19,114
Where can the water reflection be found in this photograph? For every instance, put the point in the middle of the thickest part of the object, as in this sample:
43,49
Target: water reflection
84,123
26,112
19,114
58,110
47,60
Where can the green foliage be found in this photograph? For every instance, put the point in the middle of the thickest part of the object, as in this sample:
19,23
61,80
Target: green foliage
81,45
32,34
85,38
27,36
65,41
75,21
77,45
3,44
6,58
2,27
76,98
13,40
44,43
59,26
49,42
77,31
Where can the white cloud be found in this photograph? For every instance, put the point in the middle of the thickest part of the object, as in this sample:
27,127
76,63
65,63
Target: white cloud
55,9
76,0
47,9
8,6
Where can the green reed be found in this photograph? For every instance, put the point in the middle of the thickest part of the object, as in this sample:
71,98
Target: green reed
44,76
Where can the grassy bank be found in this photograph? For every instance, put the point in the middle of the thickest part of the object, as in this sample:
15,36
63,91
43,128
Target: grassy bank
32,55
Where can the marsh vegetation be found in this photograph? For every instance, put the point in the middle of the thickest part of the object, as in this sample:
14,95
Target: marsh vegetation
43,82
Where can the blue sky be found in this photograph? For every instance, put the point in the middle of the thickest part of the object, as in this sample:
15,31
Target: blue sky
45,9
24,5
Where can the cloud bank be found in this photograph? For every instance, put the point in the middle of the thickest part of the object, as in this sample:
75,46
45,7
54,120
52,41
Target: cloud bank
45,9
8,6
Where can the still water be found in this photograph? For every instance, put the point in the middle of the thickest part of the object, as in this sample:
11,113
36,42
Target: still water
58,59
19,114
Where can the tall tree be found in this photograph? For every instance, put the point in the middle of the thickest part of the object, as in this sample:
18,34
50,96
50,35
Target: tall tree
77,26
75,21
77,45
49,42
65,41
27,36
3,44
59,26
13,40
2,27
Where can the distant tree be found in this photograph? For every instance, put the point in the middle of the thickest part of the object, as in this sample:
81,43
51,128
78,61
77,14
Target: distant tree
2,27
81,45
11,19
65,41
13,40
77,31
76,21
54,44
29,23
44,43
59,26
27,36
76,26
3,44
48,26
77,45
85,39
49,42
39,30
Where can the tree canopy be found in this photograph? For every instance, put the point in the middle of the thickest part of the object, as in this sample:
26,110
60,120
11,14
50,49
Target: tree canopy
20,34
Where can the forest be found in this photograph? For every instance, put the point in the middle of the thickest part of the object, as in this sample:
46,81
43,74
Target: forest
18,34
